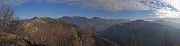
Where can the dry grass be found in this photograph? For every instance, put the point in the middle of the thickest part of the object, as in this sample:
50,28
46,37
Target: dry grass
11,40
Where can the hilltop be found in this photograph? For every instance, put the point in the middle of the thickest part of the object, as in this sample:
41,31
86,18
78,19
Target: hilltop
51,32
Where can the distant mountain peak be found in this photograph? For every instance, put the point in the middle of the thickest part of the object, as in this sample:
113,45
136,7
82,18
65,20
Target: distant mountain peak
139,21
96,18
77,16
40,18
34,18
73,17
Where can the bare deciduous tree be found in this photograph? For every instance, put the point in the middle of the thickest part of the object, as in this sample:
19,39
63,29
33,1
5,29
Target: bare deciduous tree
8,20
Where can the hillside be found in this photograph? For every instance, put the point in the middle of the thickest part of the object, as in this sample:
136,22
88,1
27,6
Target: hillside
50,32
141,33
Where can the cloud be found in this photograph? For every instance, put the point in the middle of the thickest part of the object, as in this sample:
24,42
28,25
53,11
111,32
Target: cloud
161,8
109,5
10,2
162,13
164,8
159,5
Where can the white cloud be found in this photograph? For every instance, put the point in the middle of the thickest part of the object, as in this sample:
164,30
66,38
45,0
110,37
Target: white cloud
166,8
110,5
161,8
162,13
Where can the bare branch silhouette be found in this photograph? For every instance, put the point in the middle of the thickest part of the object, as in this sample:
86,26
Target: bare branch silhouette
8,21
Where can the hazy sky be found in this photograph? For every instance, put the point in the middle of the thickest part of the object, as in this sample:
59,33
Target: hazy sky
111,9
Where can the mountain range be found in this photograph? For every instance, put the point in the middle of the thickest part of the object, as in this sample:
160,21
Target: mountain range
82,31
141,33
95,23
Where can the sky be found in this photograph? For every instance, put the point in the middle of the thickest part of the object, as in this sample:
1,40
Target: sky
109,9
